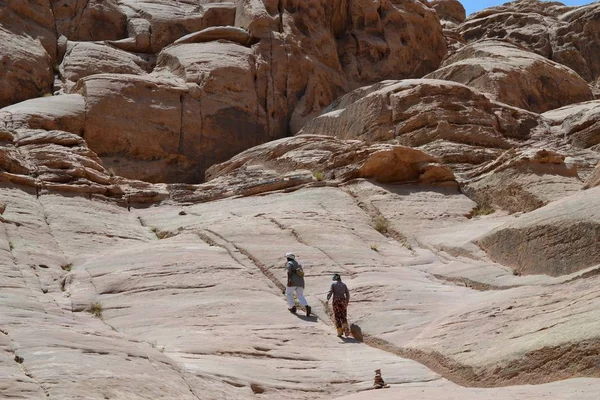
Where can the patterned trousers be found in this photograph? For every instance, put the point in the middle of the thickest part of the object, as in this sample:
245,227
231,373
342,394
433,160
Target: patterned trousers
340,311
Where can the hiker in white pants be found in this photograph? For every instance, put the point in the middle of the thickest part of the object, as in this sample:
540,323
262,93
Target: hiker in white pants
295,284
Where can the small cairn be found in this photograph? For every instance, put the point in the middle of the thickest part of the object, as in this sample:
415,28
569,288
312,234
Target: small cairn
378,382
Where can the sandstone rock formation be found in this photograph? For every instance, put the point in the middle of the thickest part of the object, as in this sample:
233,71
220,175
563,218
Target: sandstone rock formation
84,58
449,10
594,179
522,181
514,76
560,33
579,123
425,114
343,160
145,207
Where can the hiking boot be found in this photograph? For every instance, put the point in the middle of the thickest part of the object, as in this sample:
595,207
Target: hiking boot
292,310
308,311
339,332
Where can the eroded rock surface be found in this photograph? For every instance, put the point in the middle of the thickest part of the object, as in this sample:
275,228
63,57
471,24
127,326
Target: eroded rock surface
451,121
563,34
514,76
558,239
464,222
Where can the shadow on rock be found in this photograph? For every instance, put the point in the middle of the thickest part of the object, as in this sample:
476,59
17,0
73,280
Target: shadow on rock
312,318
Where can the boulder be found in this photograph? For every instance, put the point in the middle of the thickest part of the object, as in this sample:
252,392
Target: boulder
31,19
84,59
449,10
28,52
558,239
223,114
200,107
25,69
514,76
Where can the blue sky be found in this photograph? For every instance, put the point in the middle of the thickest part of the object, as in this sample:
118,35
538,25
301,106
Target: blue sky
475,5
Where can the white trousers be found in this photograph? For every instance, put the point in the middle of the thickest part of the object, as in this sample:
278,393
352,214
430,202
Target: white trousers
289,291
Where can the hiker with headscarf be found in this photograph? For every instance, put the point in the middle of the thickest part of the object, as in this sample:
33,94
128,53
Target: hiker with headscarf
341,298
295,284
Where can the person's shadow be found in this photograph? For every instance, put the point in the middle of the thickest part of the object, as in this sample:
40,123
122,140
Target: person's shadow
312,318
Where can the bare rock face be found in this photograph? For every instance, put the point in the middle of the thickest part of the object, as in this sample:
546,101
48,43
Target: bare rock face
135,105
579,123
425,114
28,52
83,59
32,19
330,158
390,40
63,113
594,179
514,76
562,34
25,70
449,10
53,160
200,107
153,25
522,181
577,43
213,115
89,20
558,239
316,51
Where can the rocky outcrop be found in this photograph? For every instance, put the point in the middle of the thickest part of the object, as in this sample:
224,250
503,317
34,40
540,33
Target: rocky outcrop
449,10
63,113
53,160
330,158
28,52
514,76
229,33
26,69
135,105
424,114
84,59
562,34
594,179
200,107
522,181
558,239
579,123
153,25
89,20
390,40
